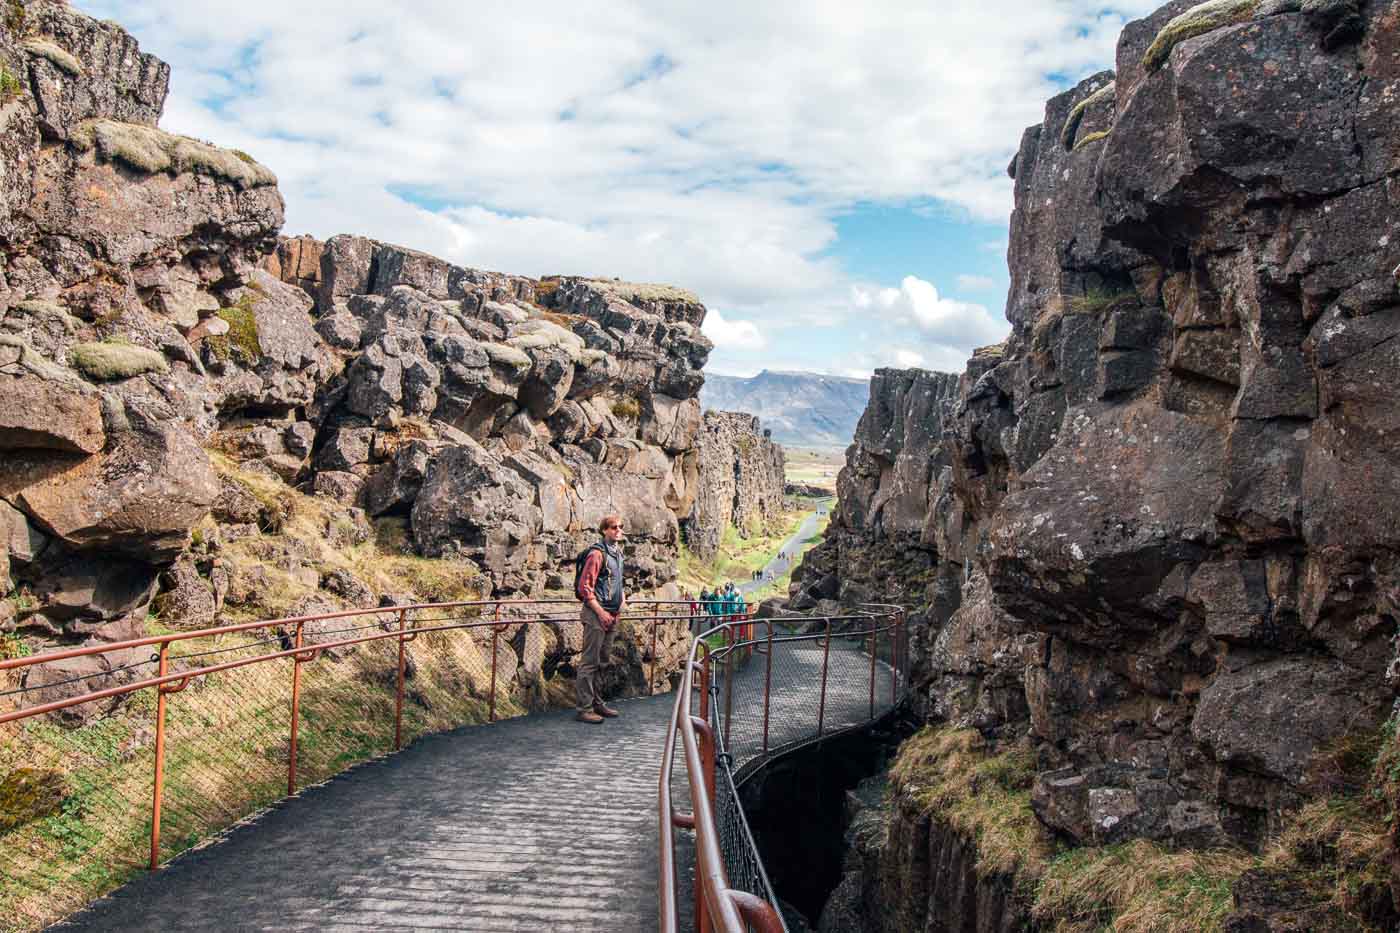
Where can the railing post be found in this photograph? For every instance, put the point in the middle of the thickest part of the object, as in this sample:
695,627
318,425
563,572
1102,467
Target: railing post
495,643
705,683
706,740
158,785
767,686
729,680
874,649
651,674
826,660
398,694
895,647
296,714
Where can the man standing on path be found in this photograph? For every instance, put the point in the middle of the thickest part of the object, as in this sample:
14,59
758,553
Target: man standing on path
600,586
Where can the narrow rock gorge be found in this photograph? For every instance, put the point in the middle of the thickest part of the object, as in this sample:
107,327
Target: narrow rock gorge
1151,541
205,421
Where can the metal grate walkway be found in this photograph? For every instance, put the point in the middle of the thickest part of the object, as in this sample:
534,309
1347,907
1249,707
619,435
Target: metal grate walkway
533,823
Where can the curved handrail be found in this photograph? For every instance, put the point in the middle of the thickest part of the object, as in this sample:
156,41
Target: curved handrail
719,906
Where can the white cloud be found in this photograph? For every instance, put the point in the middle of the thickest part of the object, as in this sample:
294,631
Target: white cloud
977,283
733,335
706,146
908,358
944,320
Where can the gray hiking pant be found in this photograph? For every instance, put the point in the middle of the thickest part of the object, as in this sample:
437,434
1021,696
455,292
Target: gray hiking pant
597,646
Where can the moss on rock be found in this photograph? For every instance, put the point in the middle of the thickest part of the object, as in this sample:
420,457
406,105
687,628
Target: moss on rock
1091,138
29,794
150,150
55,53
1200,19
241,343
107,361
1076,115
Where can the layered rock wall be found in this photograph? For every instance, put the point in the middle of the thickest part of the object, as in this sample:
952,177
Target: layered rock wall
1156,528
740,481
177,377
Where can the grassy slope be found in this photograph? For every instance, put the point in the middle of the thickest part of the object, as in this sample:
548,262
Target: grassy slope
1334,848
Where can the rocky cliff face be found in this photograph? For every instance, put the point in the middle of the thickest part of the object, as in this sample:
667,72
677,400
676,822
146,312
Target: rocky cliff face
200,416
1155,529
740,481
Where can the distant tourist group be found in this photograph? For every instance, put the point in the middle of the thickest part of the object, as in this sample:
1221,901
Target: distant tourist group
724,601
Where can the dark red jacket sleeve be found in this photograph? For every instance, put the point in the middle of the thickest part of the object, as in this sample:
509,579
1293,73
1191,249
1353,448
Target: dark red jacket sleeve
588,577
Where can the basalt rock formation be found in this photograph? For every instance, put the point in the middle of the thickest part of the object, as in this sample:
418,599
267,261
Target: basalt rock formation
199,415
740,481
1155,530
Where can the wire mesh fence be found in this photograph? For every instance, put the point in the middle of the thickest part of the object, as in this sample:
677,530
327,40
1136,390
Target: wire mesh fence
771,689
245,717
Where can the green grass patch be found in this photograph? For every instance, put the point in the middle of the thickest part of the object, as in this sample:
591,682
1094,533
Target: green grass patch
1335,850
10,86
241,343
627,408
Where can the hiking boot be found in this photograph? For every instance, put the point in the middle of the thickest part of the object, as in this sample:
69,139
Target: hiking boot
587,715
602,709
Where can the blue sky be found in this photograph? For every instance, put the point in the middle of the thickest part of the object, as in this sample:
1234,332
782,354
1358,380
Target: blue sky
828,177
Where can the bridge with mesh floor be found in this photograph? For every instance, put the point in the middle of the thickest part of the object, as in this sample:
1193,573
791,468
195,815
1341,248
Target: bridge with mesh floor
533,822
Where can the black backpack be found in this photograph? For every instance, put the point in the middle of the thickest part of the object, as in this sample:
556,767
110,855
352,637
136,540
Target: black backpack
578,568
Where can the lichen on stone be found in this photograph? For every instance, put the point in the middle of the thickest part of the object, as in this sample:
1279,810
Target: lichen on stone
642,291
590,357
55,53
1200,19
1077,113
151,150
541,334
39,308
507,355
108,361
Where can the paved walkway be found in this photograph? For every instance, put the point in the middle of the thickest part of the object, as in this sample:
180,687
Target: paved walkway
779,565
534,823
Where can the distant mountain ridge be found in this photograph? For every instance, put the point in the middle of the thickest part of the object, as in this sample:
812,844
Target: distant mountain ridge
801,409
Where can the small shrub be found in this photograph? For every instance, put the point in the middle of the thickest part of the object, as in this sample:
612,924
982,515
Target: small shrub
9,86
113,360
12,646
627,408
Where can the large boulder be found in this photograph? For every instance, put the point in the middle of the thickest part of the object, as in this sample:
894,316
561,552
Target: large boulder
141,495
45,405
471,504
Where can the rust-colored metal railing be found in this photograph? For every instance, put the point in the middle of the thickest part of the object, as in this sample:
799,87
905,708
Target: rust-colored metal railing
719,740
303,645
